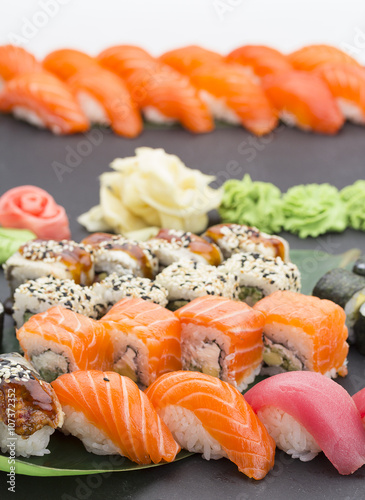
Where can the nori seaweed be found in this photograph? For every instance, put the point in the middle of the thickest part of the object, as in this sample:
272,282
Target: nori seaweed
359,266
359,331
339,285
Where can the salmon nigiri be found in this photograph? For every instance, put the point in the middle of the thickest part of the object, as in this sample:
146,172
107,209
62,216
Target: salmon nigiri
162,93
105,99
307,413
65,63
304,100
347,85
208,416
112,416
146,339
223,338
45,101
233,96
186,59
312,56
14,61
303,333
261,59
60,341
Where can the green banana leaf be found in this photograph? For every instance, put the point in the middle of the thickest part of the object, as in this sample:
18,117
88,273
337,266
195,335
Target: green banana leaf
68,456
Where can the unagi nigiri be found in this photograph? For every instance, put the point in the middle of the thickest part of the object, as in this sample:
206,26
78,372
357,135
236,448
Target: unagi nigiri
347,85
312,56
14,61
261,59
304,100
304,333
61,341
186,59
233,96
45,101
307,413
105,99
208,416
222,338
163,94
65,63
146,339
112,416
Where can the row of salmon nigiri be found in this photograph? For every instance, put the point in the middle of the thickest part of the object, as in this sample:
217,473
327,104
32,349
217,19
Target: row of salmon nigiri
315,88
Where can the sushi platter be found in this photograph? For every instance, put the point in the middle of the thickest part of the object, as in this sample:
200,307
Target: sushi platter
291,157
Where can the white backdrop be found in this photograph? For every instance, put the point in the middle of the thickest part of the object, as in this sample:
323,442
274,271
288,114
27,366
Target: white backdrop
158,25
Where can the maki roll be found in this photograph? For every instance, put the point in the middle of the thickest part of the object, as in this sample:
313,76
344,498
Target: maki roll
359,267
114,288
171,245
112,416
61,341
29,408
345,289
258,276
303,333
61,259
186,280
146,339
115,254
233,238
307,413
37,296
359,331
222,338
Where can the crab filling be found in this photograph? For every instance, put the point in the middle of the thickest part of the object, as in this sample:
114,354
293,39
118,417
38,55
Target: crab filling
50,365
279,355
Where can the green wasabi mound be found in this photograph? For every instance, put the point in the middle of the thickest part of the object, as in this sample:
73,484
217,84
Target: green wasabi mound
313,209
11,240
354,199
256,204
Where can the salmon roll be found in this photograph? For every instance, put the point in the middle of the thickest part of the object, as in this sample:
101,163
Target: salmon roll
171,245
222,338
303,333
61,341
186,280
208,416
64,259
235,238
29,408
258,276
146,339
114,253
37,296
114,288
112,416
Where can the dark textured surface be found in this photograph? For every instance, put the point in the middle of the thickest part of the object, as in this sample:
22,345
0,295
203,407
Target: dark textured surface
286,158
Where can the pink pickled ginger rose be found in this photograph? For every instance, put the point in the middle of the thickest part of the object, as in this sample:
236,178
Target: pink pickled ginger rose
30,207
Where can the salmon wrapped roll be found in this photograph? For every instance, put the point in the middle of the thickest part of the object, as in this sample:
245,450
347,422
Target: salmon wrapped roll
303,333
222,338
60,341
146,340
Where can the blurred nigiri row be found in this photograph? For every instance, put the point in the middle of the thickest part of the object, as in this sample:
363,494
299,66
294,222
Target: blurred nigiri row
315,88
